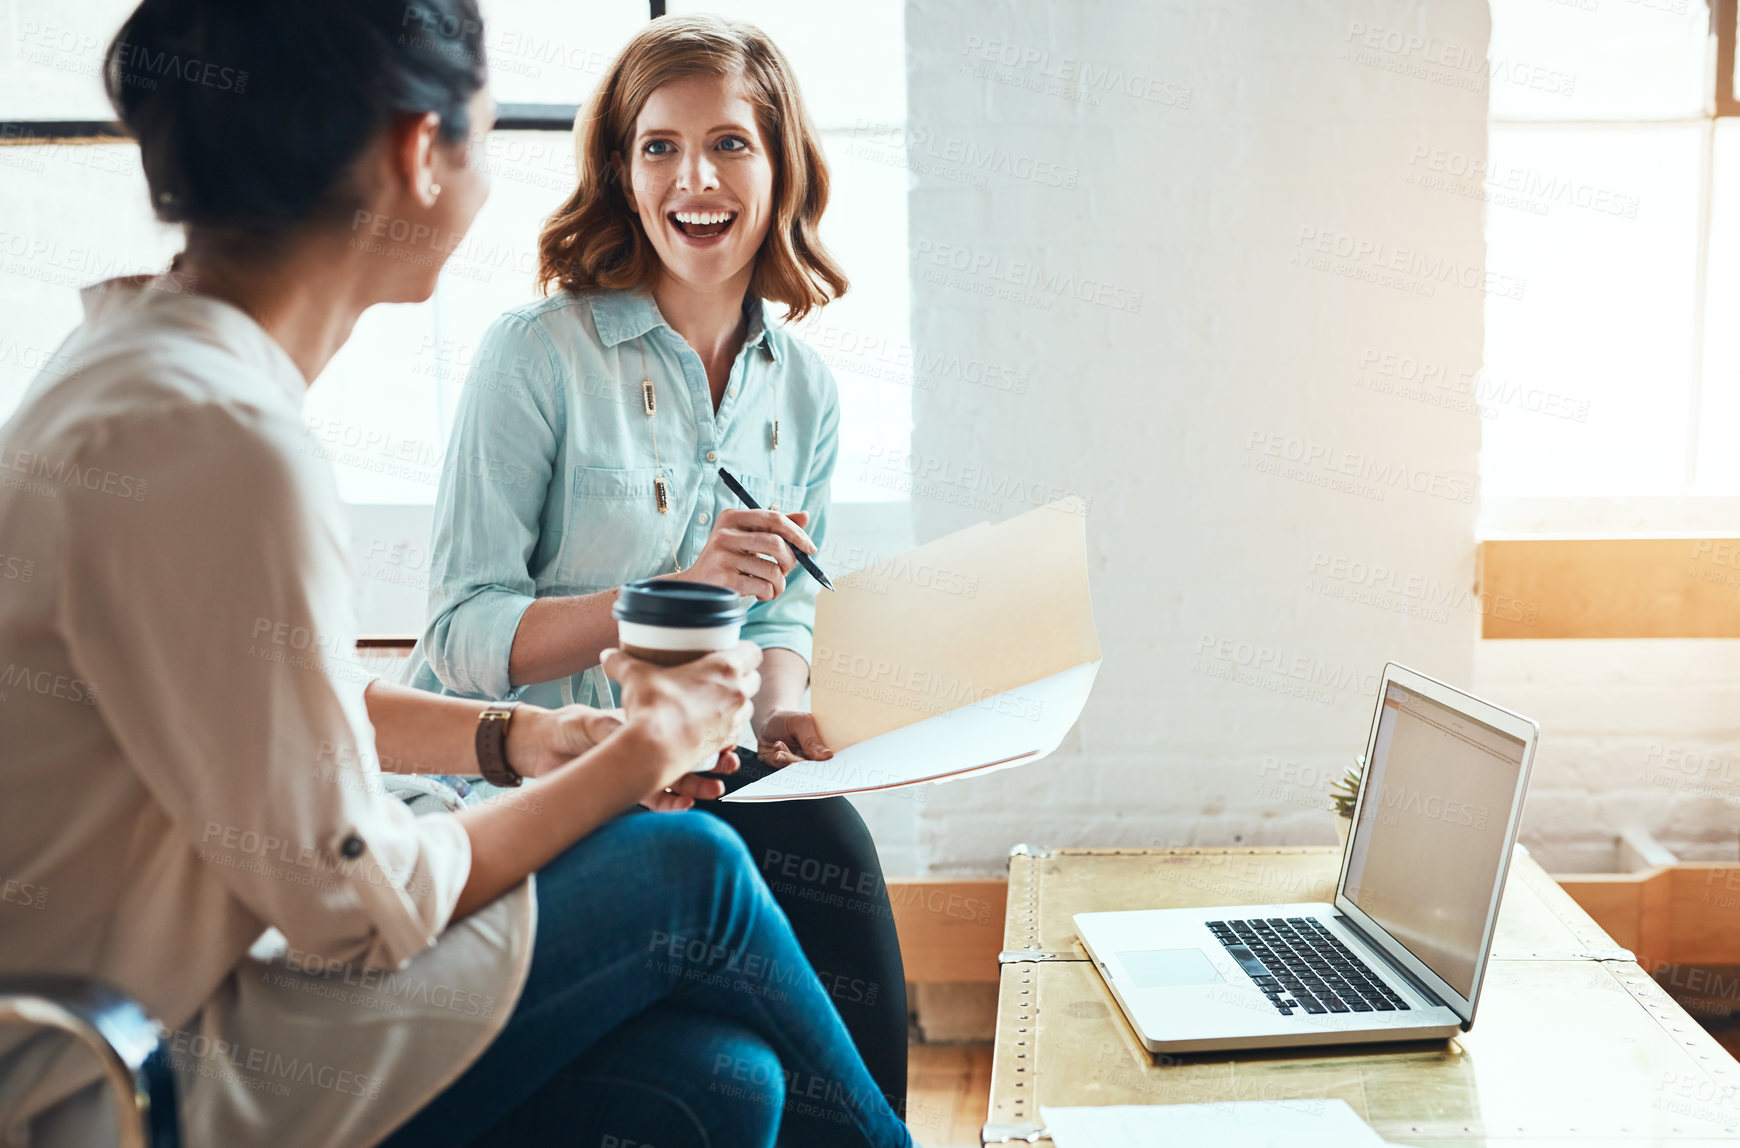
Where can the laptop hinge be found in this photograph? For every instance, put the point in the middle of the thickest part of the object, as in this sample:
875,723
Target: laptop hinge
1395,966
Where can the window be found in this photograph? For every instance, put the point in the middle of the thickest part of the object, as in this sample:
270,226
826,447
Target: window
73,210
1612,191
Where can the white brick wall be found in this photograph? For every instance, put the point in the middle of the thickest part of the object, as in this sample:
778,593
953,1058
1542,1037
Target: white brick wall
1633,733
1138,257
1253,122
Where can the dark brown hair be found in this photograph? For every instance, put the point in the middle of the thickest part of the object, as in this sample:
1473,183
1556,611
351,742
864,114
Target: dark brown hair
595,240
250,116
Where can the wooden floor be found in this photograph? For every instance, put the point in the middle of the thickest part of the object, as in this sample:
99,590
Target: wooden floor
948,1091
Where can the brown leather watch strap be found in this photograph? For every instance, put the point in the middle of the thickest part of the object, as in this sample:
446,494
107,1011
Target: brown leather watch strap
492,731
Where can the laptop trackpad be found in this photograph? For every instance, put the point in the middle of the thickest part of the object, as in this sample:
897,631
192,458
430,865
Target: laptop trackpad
1168,968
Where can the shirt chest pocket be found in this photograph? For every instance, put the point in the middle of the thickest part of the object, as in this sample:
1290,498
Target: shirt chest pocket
780,496
615,532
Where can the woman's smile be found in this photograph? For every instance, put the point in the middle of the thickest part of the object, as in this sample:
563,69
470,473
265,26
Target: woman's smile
701,228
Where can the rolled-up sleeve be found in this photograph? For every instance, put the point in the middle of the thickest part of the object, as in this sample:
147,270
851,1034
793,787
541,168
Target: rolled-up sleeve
212,614
489,508
788,622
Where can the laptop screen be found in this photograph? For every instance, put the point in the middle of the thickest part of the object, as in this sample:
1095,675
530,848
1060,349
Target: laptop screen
1424,859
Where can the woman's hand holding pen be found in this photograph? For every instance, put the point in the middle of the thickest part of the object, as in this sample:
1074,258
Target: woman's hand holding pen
750,552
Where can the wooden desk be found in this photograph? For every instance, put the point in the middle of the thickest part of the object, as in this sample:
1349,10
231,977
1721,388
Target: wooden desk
1572,1042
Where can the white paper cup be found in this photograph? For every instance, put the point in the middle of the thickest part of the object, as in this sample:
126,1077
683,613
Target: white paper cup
670,622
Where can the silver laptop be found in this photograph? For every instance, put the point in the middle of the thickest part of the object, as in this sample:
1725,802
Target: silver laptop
1401,953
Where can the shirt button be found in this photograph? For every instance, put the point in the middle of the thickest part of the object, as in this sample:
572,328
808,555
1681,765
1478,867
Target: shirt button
712,456
351,848
733,388
701,518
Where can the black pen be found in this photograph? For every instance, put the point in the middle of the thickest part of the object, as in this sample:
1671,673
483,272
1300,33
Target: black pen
804,560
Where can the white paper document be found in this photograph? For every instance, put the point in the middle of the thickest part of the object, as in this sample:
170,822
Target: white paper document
969,654
967,742
1302,1123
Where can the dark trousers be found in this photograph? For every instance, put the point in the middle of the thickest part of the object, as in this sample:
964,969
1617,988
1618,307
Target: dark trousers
820,862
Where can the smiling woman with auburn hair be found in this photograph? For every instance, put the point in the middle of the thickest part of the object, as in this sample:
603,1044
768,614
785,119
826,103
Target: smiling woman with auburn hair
652,363
594,240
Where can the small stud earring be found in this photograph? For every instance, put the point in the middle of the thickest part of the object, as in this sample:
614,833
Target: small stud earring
434,191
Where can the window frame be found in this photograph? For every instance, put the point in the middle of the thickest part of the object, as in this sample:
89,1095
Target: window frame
509,118
1722,28
1505,516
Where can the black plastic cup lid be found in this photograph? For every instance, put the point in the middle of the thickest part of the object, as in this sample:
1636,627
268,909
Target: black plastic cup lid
688,605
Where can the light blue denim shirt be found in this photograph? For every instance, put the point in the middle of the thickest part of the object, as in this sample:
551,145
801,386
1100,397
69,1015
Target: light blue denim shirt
548,485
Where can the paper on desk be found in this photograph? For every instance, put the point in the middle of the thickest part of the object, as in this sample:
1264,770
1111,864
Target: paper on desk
968,654
1303,1123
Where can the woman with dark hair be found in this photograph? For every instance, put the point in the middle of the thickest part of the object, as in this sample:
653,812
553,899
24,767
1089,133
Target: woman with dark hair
652,365
194,773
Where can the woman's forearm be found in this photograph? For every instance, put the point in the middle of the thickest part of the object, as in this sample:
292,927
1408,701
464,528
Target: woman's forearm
419,732
784,678
511,839
561,636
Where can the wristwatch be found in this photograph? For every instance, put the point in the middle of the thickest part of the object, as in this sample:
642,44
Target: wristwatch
492,731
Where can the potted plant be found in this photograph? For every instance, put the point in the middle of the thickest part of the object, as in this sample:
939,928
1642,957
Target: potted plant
1344,795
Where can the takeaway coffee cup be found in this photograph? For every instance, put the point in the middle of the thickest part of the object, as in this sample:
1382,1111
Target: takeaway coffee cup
668,622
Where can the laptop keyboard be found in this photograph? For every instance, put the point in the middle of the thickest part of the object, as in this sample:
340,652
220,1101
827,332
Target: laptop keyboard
1300,964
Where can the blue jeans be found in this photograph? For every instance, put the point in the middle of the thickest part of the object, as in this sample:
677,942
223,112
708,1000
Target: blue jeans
668,1005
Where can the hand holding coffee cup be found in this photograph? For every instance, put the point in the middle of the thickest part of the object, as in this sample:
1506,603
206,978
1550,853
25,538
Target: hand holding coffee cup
693,709
671,624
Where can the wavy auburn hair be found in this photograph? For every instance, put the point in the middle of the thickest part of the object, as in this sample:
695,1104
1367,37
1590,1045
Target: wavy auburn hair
595,240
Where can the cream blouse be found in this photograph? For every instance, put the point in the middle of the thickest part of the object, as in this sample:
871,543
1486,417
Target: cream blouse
187,769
